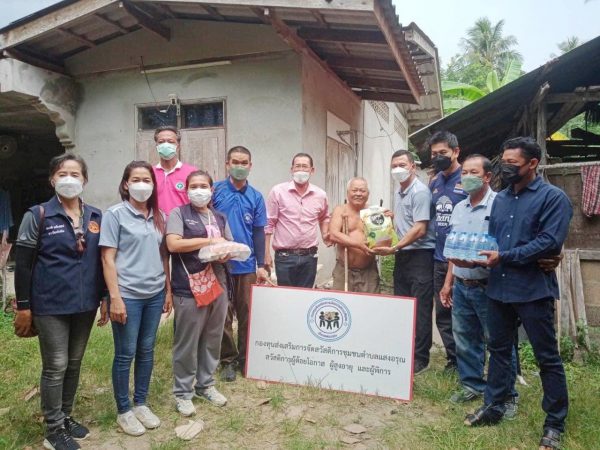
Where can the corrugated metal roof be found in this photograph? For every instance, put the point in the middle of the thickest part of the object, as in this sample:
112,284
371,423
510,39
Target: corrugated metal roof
482,126
362,42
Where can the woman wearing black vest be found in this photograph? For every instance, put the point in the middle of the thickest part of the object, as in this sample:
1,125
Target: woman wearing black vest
198,325
59,284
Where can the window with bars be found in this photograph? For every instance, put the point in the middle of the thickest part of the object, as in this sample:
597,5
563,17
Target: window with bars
192,115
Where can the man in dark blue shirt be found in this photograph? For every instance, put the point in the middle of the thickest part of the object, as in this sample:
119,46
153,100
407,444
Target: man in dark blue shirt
530,220
446,192
244,207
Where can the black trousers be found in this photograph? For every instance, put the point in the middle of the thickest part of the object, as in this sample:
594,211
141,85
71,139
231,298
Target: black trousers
443,316
413,277
538,320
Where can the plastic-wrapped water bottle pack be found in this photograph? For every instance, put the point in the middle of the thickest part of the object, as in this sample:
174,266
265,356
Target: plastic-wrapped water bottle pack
466,246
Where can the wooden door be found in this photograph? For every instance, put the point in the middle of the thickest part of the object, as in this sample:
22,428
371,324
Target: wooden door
202,147
339,167
205,149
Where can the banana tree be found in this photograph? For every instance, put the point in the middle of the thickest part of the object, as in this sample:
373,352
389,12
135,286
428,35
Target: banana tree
458,95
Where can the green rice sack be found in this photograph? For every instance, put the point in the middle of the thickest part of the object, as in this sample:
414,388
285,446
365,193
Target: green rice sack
379,228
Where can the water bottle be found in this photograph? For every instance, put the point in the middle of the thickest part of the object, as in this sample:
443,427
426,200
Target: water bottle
473,246
450,247
482,244
462,246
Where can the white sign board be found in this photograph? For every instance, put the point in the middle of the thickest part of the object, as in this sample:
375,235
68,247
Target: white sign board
344,341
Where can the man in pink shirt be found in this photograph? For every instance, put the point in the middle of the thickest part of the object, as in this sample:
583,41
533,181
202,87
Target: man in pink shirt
170,172
295,210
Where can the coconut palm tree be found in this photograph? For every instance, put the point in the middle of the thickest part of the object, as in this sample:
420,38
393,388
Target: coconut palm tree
486,45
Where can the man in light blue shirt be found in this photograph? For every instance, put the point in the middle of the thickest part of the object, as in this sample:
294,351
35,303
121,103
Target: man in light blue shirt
464,288
413,268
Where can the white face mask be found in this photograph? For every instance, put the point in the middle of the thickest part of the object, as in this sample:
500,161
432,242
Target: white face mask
140,191
199,197
301,177
400,174
68,187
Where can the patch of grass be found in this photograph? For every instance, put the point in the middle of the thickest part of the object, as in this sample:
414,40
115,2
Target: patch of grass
296,418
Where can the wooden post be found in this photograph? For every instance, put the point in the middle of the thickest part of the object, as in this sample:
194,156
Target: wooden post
542,130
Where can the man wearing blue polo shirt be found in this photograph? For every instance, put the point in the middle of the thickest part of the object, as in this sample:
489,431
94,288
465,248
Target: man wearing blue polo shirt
446,192
246,215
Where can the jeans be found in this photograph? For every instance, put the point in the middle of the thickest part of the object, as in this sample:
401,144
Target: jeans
135,338
413,277
443,316
538,320
295,270
240,305
63,339
469,318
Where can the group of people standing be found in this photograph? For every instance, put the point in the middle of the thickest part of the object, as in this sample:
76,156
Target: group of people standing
477,304
140,260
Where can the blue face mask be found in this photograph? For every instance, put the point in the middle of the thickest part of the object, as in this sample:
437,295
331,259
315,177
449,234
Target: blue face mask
166,150
471,183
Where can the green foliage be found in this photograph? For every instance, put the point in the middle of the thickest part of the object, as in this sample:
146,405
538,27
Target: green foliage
489,62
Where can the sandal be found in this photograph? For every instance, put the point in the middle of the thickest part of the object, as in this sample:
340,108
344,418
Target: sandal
485,415
550,440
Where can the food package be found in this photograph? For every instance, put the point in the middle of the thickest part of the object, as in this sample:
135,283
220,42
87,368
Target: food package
379,228
214,252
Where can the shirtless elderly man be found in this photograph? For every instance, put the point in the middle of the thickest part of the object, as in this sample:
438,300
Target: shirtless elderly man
362,268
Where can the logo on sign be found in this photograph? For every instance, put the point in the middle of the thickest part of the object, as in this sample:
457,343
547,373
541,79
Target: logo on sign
329,319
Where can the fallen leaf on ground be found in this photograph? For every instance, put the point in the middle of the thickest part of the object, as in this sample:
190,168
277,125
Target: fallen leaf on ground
264,401
262,385
31,393
190,430
349,440
355,428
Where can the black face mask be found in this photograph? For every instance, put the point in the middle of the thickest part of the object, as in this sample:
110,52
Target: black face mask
441,163
510,173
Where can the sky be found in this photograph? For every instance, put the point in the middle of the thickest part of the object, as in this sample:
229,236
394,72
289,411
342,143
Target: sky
538,25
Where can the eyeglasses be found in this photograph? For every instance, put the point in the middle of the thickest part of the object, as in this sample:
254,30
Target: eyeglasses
80,242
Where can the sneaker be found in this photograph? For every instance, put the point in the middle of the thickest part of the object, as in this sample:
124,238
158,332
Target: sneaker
228,373
420,367
60,440
212,395
75,429
147,417
464,396
130,424
511,407
185,407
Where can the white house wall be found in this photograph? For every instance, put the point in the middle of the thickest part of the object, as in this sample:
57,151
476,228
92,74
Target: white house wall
322,94
380,138
262,100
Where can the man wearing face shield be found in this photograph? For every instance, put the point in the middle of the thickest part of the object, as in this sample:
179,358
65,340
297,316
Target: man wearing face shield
530,220
362,267
413,268
446,192
170,172
296,209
